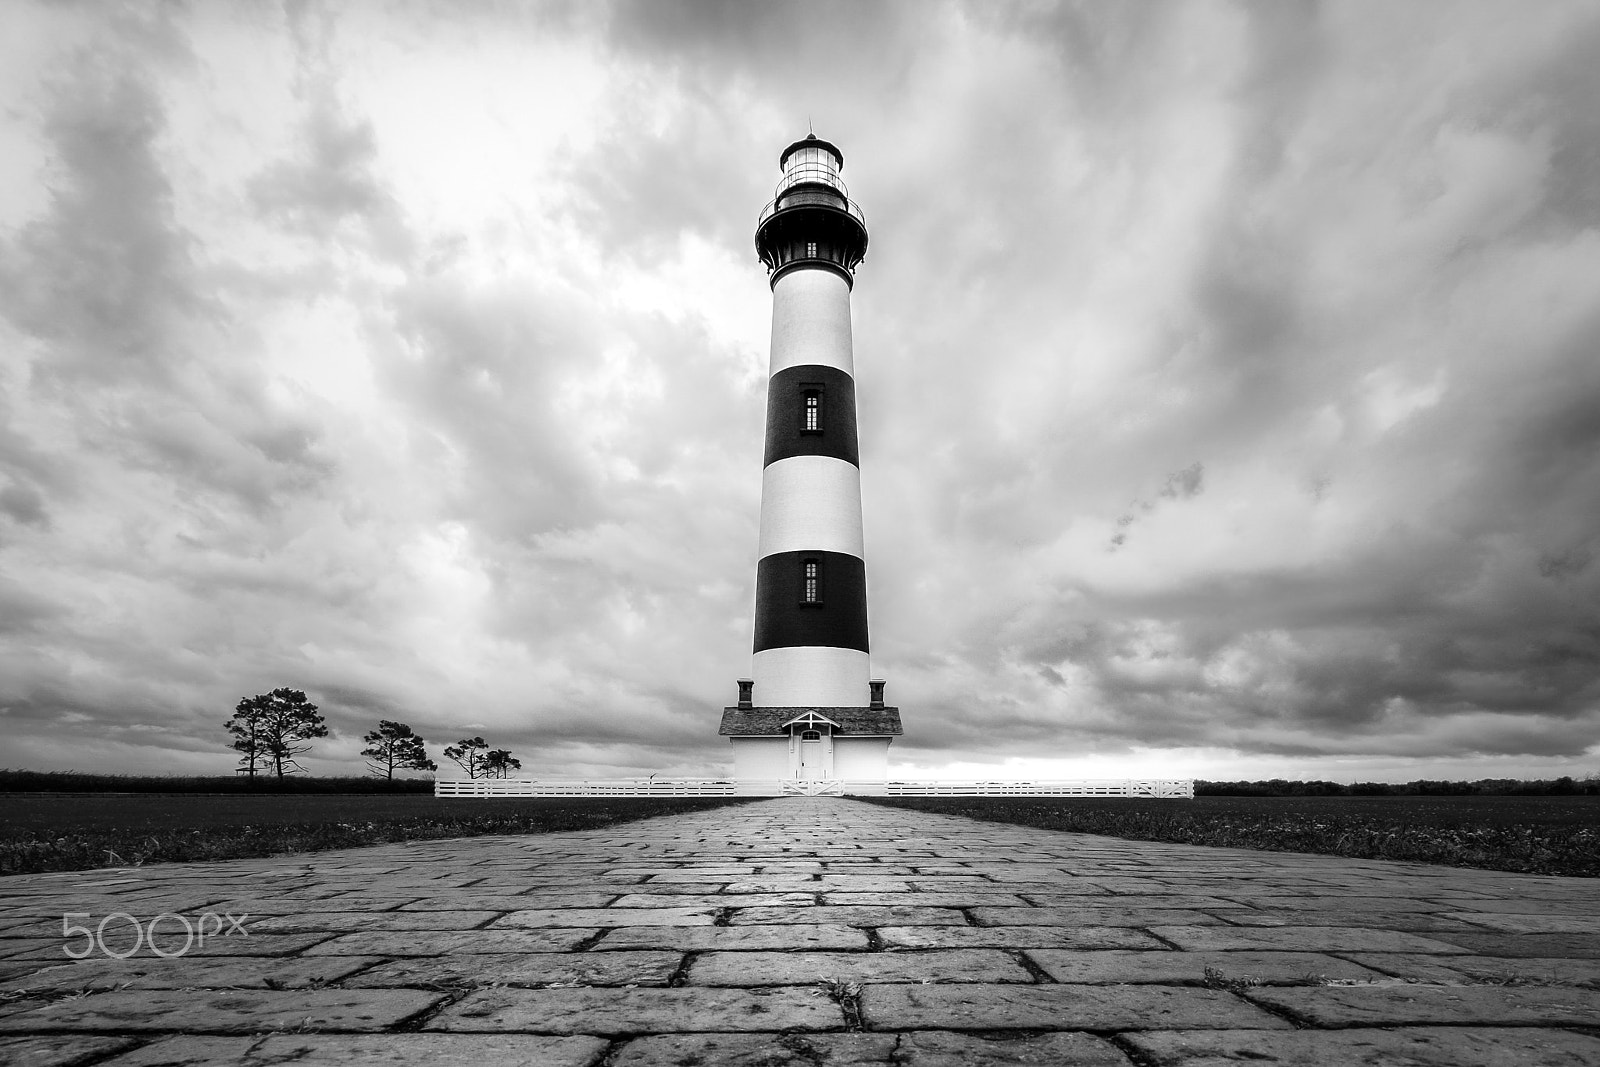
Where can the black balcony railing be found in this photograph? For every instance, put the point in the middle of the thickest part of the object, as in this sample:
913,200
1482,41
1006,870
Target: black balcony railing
814,197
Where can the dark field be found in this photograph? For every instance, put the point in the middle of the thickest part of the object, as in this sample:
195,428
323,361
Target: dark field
1533,834
66,833
1538,834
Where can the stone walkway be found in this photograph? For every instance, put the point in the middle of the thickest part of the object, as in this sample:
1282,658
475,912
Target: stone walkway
804,932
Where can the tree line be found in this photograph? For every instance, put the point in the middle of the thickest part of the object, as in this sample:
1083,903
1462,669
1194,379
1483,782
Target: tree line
270,729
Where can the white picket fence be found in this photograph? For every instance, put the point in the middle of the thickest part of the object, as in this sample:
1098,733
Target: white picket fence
1165,788
597,787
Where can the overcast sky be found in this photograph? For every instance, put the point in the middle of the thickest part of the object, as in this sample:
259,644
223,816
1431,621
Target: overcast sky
1228,375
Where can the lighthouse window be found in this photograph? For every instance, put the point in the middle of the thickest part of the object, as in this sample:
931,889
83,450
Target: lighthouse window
811,582
811,248
813,411
811,735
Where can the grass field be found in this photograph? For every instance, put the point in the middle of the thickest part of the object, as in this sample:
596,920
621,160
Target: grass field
72,832
1540,834
1535,834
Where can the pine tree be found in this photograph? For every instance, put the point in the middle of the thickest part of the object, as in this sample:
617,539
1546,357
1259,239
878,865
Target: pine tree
273,728
468,752
500,764
395,746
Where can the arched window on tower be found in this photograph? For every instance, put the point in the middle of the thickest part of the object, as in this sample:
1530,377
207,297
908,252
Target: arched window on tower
811,582
811,416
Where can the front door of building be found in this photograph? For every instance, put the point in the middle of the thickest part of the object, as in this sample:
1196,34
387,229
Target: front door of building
810,756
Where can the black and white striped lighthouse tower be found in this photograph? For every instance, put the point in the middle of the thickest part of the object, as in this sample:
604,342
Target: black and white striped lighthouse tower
810,685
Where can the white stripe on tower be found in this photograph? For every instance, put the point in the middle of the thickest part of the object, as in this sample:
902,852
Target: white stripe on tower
811,502
811,321
810,677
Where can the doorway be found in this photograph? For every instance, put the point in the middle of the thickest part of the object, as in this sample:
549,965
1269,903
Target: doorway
810,756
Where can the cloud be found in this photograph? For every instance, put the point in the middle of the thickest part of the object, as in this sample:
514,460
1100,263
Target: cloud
1225,373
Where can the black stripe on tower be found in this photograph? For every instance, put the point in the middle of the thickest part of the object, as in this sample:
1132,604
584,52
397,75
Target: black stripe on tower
832,613
811,411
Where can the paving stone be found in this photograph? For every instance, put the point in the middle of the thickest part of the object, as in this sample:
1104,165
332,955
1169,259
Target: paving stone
996,869
687,889
641,1011
191,972
1533,924
1414,922
757,1050
356,921
54,950
820,884
226,1011
1495,969
545,918
1024,937
1420,1046
1170,901
1070,965
369,1050
1408,1004
1570,946
506,902
1519,906
8,971
58,1050
968,899
1307,938
923,1049
294,904
716,900
1072,1007
851,916
450,942
1401,902
793,936
526,969
810,968
959,885
1096,916
934,1048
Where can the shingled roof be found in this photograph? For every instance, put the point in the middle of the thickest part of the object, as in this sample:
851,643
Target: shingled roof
769,722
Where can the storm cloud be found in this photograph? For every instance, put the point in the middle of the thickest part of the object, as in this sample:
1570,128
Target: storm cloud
1228,378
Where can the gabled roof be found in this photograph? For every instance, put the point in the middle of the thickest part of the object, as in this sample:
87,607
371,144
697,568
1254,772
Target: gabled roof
774,722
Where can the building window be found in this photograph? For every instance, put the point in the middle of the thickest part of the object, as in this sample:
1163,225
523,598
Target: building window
811,735
811,417
811,582
811,249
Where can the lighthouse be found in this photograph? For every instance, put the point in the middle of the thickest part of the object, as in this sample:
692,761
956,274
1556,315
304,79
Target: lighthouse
810,717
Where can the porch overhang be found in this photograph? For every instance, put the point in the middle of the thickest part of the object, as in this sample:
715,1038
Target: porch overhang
776,722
